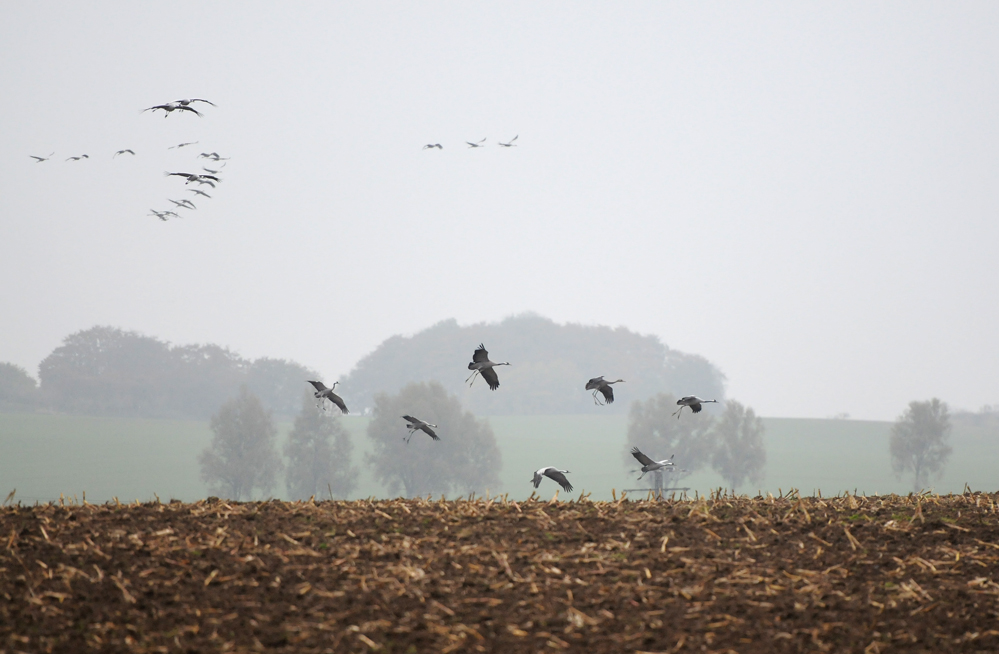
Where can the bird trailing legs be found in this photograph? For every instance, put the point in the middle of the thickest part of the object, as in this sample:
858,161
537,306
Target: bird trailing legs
471,377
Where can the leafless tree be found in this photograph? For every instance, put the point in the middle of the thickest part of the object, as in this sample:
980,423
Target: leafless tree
319,455
739,454
243,453
464,460
919,442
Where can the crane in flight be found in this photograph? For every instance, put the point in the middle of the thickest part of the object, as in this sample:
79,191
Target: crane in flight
602,386
172,106
511,144
185,103
164,215
184,204
476,145
415,424
82,156
125,151
40,159
182,145
552,473
433,145
648,465
693,402
194,177
323,393
481,365
199,192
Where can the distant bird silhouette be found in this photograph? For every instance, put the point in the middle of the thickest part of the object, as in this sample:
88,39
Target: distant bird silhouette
126,150
511,144
164,215
476,145
199,192
171,107
648,465
214,156
82,156
433,145
209,170
481,365
40,159
194,177
552,473
327,393
600,385
186,204
415,424
693,402
184,103
182,145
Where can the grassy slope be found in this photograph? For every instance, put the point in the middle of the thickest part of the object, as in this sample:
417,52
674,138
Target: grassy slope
45,455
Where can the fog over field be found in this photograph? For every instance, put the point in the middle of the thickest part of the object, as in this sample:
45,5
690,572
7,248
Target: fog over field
802,194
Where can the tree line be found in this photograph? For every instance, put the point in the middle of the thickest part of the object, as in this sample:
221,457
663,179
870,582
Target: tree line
242,460
106,371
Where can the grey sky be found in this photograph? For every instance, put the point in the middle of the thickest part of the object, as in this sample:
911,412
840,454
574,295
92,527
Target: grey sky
804,193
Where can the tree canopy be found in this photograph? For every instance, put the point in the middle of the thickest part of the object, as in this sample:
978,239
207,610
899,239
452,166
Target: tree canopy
739,452
919,442
242,456
732,443
18,390
466,459
109,371
319,453
551,364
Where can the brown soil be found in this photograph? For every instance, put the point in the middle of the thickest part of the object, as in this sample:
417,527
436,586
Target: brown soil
727,574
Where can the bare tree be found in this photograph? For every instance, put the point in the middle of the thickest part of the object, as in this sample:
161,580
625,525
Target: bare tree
243,453
918,442
739,452
319,454
651,430
464,460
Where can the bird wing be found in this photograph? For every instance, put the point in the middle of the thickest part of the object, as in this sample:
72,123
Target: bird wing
594,383
608,393
480,354
412,419
425,427
695,407
318,385
205,101
489,374
514,138
643,459
191,109
552,473
38,158
337,400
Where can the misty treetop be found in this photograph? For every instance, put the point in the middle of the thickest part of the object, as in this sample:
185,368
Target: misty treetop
110,371
466,459
731,443
550,365
18,390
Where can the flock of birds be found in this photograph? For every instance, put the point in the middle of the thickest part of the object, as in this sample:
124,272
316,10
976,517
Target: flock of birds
481,366
207,176
474,144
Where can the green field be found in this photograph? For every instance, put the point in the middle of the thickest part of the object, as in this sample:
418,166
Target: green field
44,456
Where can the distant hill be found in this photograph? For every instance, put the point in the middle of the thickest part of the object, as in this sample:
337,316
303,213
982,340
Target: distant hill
550,364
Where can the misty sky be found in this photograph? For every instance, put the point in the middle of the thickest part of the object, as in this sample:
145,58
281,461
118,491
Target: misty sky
803,193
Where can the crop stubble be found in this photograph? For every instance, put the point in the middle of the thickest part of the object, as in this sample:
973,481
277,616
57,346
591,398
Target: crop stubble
718,574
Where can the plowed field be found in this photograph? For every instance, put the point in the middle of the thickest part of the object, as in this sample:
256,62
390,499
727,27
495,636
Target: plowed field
718,575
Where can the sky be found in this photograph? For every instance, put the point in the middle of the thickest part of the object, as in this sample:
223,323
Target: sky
803,193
